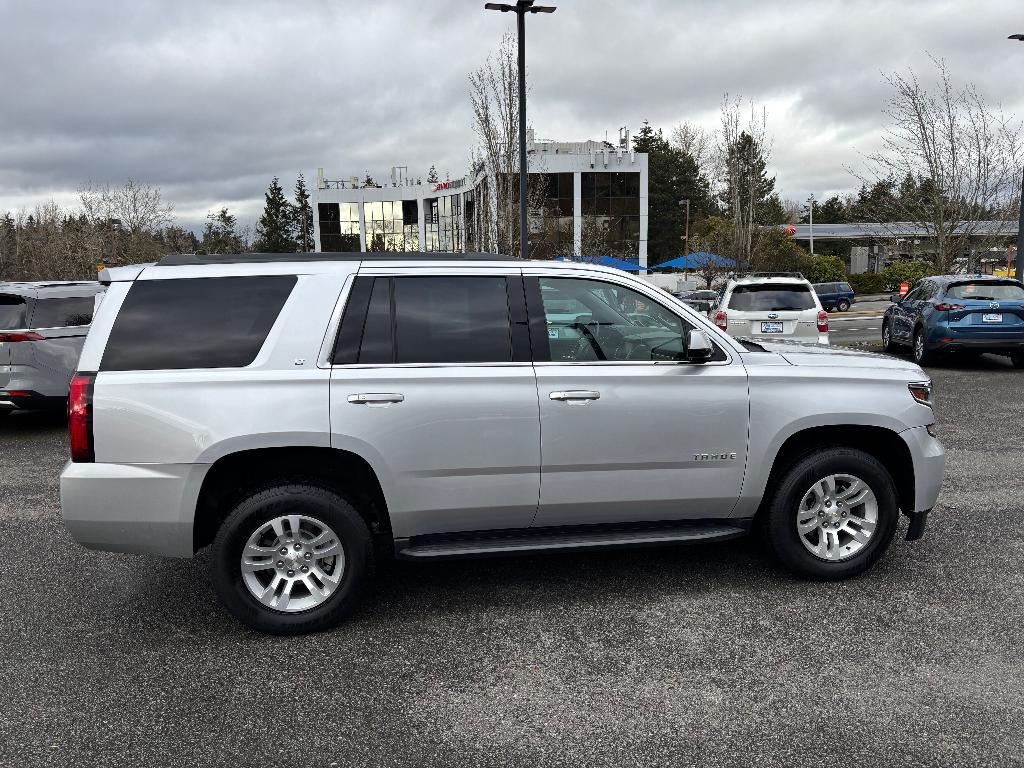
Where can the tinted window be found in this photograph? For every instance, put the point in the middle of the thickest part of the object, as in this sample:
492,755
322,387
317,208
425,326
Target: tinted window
218,322
990,290
12,312
377,345
767,297
452,320
64,312
846,287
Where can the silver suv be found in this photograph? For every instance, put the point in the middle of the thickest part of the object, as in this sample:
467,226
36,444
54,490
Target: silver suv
42,329
304,415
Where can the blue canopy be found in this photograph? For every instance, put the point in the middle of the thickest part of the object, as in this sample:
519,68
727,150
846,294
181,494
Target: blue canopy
695,261
606,261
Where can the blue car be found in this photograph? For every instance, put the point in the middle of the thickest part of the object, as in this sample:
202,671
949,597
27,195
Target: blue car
958,313
835,296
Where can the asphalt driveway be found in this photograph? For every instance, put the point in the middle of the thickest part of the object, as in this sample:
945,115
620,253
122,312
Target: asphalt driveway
702,655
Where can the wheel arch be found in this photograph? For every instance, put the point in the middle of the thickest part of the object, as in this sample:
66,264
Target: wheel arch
237,475
883,444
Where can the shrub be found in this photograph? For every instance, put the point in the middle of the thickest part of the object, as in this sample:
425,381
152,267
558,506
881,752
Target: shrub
823,269
906,271
867,283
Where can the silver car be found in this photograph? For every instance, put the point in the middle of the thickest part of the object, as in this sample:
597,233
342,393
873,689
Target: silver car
42,329
303,415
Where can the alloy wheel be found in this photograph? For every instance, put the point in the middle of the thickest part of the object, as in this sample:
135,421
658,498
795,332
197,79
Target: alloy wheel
292,563
837,517
919,346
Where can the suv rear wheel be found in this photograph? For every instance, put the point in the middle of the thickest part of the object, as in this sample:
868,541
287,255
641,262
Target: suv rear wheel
833,514
843,305
921,354
291,558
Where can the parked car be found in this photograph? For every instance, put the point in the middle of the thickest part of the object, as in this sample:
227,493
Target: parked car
702,301
302,415
42,329
772,307
835,296
966,314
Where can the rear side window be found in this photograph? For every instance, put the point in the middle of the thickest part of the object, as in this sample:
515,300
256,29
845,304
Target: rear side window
771,297
216,322
435,319
63,312
12,312
990,290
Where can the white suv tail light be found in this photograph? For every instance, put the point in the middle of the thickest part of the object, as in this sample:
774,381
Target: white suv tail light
722,320
823,322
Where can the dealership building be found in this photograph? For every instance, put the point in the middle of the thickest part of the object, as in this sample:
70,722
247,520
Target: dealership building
587,198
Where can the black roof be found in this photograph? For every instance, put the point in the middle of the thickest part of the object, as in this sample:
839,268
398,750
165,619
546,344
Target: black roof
179,259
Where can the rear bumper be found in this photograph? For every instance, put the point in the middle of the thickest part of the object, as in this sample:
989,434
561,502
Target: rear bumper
27,400
929,458
140,508
978,344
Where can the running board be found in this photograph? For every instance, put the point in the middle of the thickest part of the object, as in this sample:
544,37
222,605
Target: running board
561,539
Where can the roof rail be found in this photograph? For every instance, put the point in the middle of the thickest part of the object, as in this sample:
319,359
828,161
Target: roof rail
181,259
799,275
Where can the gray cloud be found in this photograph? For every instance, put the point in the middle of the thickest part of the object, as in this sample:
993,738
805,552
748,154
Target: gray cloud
209,100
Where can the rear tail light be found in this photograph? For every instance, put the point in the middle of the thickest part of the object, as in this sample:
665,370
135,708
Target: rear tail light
20,336
944,307
722,320
80,417
823,322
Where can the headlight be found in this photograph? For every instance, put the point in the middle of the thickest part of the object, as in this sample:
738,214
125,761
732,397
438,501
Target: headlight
921,391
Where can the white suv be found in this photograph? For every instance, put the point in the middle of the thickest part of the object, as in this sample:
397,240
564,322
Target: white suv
303,415
776,307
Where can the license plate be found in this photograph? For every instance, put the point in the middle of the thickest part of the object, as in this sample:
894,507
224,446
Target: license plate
552,333
771,327
992,318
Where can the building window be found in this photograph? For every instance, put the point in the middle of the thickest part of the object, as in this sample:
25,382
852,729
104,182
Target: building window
551,230
611,214
391,225
339,227
443,227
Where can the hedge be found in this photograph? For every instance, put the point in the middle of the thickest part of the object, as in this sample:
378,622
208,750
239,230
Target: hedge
867,283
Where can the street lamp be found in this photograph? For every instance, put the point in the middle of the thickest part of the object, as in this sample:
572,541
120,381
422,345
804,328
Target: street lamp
521,8
810,208
1020,215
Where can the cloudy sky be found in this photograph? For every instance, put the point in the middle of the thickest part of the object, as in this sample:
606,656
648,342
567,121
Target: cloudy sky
211,99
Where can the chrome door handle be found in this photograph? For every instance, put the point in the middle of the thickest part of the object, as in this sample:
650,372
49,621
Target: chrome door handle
575,395
376,399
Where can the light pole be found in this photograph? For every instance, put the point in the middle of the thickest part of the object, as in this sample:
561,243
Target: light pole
521,8
1020,215
686,235
810,208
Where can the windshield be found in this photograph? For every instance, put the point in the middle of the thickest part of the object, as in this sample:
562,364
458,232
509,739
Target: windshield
986,290
769,297
12,312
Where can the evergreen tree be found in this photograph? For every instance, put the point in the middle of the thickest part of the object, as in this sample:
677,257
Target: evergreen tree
672,176
303,217
755,186
219,234
432,177
274,229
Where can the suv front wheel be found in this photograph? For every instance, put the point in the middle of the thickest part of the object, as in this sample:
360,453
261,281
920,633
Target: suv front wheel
833,514
291,558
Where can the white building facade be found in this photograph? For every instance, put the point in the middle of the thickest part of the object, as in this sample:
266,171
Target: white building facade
591,201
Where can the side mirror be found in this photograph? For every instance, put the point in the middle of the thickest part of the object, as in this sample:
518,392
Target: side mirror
698,347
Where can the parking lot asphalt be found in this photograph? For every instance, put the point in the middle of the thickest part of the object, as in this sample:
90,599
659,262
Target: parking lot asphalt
705,655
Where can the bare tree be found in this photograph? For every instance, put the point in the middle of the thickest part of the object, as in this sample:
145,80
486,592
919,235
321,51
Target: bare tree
124,220
743,150
960,156
494,97
695,141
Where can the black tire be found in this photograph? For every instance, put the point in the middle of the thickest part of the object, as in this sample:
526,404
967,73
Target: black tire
921,354
843,306
779,524
1017,358
311,501
888,345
